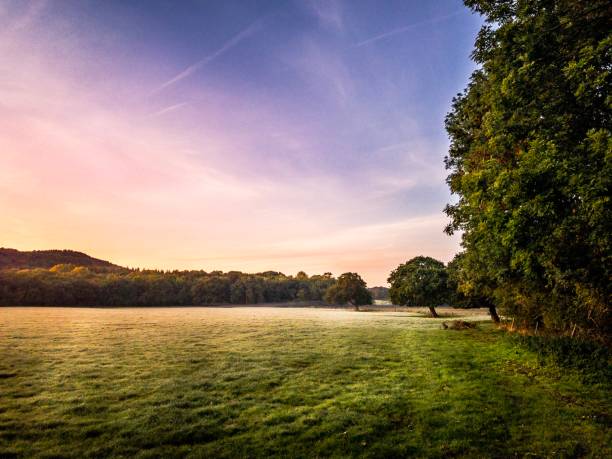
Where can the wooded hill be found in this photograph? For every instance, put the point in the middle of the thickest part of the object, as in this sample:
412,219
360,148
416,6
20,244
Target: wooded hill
11,258
379,293
68,278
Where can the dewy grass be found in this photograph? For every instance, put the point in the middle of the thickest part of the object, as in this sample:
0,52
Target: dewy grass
212,382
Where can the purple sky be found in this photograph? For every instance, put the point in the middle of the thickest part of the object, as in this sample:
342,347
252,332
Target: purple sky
303,135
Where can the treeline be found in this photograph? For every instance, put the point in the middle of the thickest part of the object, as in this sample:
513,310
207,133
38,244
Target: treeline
379,293
70,285
530,161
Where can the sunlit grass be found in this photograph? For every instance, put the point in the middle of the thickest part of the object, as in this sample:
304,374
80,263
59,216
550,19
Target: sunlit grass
209,382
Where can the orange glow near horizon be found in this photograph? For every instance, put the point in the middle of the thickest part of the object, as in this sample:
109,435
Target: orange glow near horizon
106,156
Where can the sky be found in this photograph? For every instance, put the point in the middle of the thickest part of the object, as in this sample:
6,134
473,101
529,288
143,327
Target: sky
231,135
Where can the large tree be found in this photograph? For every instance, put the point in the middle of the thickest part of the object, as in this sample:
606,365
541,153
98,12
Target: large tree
351,289
467,287
421,281
531,161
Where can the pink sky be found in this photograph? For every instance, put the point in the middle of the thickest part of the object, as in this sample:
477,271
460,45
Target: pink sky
102,152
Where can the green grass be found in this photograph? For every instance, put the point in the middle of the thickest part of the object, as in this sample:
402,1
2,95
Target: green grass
197,382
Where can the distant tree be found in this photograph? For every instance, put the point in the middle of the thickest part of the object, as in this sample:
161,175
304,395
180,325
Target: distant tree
319,285
62,268
211,290
349,288
238,292
254,290
272,274
421,281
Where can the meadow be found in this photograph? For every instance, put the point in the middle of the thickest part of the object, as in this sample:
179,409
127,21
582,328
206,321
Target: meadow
291,382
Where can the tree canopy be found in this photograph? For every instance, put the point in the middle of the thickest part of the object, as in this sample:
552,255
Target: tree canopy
350,288
466,289
530,161
421,281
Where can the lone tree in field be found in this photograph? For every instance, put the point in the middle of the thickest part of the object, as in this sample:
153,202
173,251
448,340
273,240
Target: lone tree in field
349,288
421,281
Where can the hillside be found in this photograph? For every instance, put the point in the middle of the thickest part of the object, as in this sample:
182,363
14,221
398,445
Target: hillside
11,258
68,278
379,293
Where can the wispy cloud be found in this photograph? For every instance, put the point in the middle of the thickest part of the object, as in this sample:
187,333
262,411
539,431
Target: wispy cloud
248,31
406,28
328,12
326,169
324,69
169,109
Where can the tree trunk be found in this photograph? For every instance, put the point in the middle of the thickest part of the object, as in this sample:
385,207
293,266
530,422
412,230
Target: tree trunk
354,305
434,314
494,316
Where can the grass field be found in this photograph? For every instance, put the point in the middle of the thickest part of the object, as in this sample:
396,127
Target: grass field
237,382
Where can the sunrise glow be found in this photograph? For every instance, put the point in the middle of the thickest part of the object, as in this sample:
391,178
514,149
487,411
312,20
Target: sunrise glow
293,136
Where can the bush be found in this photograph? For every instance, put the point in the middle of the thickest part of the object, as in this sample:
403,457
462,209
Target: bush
589,357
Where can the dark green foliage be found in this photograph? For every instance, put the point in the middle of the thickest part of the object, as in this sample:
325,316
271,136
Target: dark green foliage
211,290
349,289
531,162
70,285
463,293
466,289
421,281
587,356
